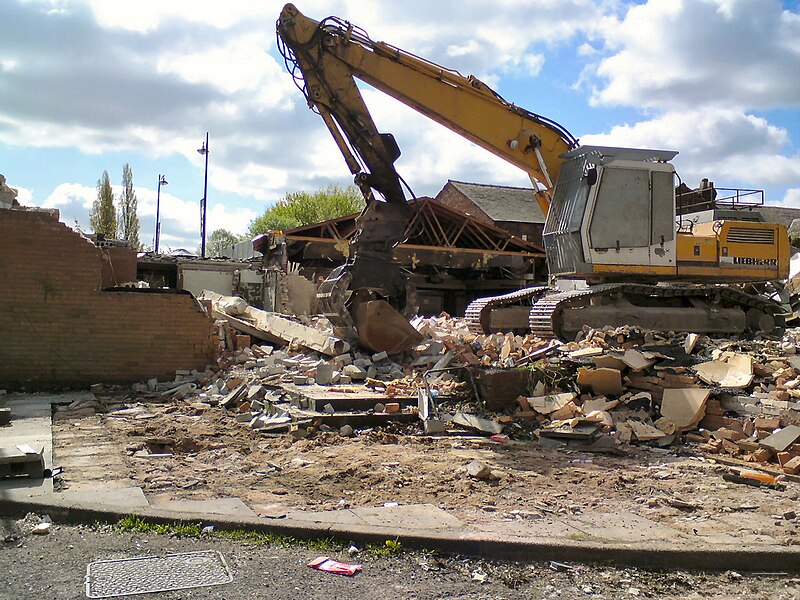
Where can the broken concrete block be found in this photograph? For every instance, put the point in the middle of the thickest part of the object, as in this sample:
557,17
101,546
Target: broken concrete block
730,371
608,362
379,356
478,470
548,404
607,382
342,360
636,360
477,423
568,411
346,431
234,396
665,425
300,380
431,426
598,404
684,407
355,372
588,352
324,374
345,380
392,407
782,439
643,431
328,408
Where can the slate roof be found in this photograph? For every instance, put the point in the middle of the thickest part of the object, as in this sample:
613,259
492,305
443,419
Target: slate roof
779,214
502,203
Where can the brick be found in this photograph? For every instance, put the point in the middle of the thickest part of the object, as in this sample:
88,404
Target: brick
767,423
793,466
89,335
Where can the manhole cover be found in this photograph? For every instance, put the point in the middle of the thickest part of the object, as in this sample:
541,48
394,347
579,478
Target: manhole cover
142,574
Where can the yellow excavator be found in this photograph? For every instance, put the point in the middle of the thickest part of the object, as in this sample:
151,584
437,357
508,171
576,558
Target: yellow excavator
614,218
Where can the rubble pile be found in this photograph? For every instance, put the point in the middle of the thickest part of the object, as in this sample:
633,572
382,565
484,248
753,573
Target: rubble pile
606,389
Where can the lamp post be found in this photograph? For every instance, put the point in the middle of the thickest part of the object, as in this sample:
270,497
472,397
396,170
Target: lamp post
204,151
162,180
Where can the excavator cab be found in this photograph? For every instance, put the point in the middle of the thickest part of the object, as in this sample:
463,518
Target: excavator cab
613,215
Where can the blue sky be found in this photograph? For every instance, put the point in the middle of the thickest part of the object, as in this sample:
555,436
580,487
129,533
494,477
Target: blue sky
89,85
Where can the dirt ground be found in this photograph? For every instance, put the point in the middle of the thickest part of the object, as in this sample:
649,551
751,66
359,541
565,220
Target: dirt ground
213,455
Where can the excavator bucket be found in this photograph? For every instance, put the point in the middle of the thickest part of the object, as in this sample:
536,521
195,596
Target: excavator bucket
380,327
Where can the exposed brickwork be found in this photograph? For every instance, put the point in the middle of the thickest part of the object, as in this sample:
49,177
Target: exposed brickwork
452,198
118,266
58,327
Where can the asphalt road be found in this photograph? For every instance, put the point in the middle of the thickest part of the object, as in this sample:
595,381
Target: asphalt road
54,565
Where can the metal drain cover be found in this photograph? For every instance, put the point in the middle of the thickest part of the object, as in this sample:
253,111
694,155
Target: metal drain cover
143,574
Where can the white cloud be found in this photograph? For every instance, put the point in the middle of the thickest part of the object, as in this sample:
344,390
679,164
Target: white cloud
71,193
718,143
792,198
24,195
673,54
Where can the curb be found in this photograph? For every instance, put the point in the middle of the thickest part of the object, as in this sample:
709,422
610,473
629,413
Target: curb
769,559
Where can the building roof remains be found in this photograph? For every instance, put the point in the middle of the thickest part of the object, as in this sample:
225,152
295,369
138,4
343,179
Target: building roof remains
502,203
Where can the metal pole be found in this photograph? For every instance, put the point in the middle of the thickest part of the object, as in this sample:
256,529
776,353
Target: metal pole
203,206
158,214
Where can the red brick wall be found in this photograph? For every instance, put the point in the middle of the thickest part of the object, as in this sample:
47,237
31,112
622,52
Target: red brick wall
59,329
118,266
452,198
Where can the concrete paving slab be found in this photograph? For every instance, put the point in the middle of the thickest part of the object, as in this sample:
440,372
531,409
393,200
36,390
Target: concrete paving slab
30,424
624,527
217,506
132,497
414,516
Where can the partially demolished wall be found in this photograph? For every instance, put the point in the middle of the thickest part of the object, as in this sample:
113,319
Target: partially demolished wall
60,329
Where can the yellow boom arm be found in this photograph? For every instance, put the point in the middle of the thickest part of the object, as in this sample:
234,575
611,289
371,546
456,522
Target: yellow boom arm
331,53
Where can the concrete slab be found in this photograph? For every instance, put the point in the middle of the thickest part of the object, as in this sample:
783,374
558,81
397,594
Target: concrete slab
30,424
132,497
414,516
216,506
624,527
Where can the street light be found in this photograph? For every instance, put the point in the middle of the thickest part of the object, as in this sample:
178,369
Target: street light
162,180
204,151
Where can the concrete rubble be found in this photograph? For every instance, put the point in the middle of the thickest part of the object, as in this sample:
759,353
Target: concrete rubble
732,399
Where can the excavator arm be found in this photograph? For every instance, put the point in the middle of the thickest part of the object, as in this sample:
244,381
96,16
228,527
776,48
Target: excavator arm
369,297
332,53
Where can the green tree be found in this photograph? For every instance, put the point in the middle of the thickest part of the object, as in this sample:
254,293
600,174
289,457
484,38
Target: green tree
103,218
302,208
128,224
218,242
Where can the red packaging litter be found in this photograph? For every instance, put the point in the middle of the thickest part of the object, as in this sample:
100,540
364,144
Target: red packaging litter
327,564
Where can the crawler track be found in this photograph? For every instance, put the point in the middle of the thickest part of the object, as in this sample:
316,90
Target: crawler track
545,318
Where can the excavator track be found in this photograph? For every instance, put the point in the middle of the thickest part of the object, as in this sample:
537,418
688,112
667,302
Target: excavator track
478,311
547,314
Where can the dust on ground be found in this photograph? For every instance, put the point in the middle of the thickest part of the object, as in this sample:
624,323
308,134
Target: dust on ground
212,455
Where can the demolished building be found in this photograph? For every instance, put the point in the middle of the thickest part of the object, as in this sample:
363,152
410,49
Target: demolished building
452,257
63,322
